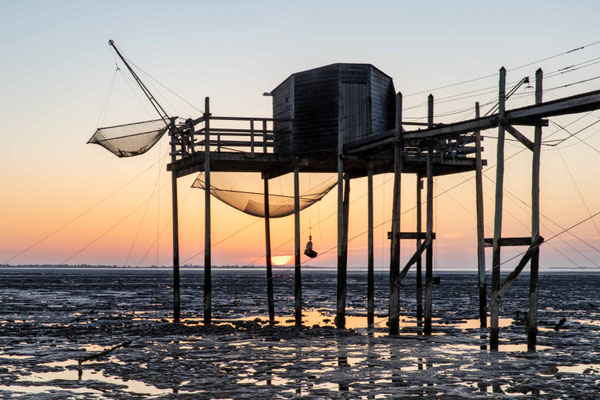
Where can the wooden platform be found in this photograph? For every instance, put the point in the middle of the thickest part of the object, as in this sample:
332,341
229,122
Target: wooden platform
272,165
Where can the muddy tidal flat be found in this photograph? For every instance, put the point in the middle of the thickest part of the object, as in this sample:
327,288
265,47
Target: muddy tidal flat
108,334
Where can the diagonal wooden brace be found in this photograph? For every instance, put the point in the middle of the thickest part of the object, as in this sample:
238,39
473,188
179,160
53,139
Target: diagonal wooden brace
415,257
518,135
513,275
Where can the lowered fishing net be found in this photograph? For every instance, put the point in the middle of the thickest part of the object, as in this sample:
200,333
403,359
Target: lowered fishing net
130,139
245,191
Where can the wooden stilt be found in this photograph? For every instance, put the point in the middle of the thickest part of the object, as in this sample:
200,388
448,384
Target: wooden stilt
370,255
419,260
297,269
343,270
340,316
394,304
429,252
207,236
535,223
174,206
494,299
480,227
270,301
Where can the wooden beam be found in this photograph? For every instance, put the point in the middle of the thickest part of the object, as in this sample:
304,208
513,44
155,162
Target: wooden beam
370,250
514,241
494,306
207,235
535,224
515,273
270,300
297,265
394,299
519,136
411,235
480,228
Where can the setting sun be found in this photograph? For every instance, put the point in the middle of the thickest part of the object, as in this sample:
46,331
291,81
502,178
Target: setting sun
281,260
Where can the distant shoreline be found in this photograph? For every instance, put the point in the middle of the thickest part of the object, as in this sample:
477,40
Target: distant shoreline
200,268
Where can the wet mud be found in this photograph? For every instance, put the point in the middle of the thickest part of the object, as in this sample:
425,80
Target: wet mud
107,334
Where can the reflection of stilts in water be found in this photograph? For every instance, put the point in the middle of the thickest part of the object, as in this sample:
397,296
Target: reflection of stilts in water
269,373
343,364
483,338
370,365
395,361
176,380
299,378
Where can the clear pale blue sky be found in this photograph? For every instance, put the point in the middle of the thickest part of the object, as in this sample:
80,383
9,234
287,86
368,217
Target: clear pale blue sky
57,67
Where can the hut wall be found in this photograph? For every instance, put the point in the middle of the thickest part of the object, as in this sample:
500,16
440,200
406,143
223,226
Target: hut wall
283,107
312,98
316,110
383,101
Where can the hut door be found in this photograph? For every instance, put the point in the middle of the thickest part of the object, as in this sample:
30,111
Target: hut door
355,111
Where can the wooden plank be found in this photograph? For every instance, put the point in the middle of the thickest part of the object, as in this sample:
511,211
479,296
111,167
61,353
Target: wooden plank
270,299
207,234
511,241
411,235
531,325
519,136
480,228
394,303
220,118
236,143
494,299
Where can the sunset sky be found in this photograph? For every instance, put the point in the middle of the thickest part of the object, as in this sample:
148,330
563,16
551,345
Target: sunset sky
64,201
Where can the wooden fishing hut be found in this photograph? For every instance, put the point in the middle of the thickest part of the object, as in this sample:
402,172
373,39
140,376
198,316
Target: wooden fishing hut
328,119
345,118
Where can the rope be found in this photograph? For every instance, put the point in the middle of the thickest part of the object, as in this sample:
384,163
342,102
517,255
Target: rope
79,215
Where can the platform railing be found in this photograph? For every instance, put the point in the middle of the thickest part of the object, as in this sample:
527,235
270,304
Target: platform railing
253,135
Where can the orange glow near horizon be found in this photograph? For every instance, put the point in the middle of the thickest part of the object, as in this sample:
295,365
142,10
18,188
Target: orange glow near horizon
280,261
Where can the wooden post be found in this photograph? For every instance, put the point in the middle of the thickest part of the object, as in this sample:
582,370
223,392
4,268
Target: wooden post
252,136
207,238
370,256
297,269
480,227
174,206
494,299
419,260
340,316
343,276
270,301
429,253
264,132
535,223
394,304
